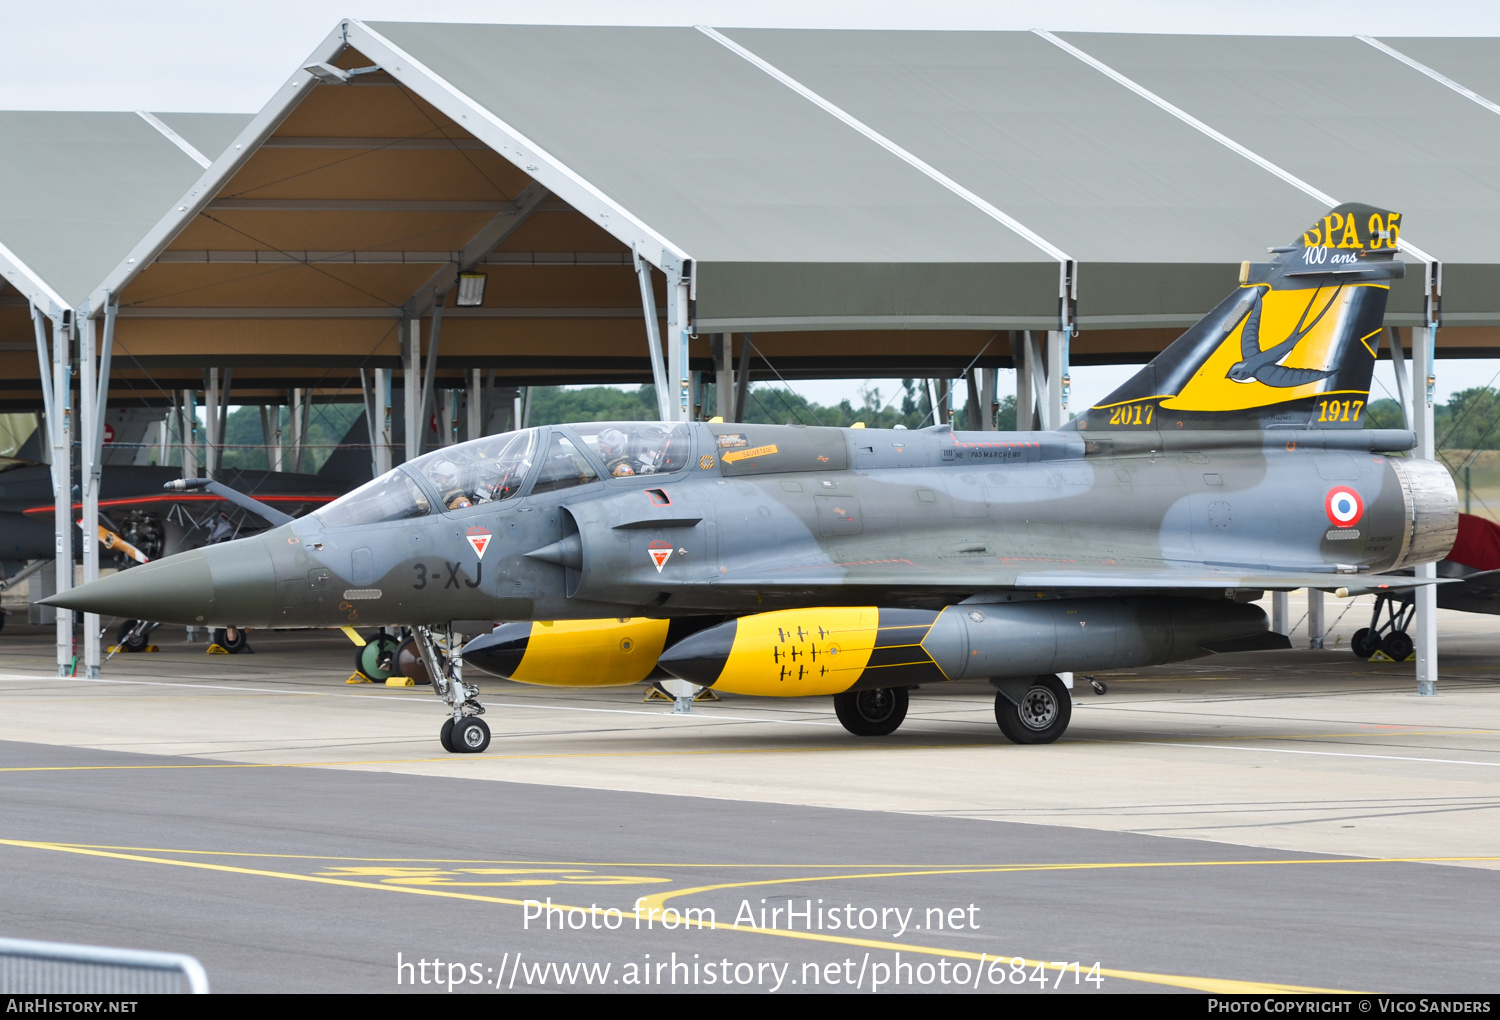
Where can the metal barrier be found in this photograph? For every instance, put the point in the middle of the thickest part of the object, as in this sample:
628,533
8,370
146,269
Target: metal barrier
57,968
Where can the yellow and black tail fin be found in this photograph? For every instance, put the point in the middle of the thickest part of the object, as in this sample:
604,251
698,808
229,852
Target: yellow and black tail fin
1293,346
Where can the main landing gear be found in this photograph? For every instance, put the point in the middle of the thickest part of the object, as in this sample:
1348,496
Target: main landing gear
465,732
872,713
1029,709
1389,637
134,635
1032,710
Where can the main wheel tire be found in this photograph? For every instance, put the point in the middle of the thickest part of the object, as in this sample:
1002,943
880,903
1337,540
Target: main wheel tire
872,713
128,641
233,640
1398,645
445,737
1364,643
470,735
1042,715
376,659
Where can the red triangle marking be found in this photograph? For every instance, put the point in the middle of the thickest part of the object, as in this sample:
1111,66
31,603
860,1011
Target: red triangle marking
479,542
659,557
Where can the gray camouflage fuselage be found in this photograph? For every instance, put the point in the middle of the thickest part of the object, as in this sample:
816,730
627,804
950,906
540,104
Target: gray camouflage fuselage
824,516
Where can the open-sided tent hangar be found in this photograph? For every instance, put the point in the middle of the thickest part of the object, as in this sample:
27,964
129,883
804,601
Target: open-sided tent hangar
864,203
77,190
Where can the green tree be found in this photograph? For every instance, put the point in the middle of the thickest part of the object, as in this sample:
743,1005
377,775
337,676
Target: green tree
1472,421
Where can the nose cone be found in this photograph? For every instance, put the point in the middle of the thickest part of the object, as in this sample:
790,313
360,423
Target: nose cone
499,652
699,658
228,585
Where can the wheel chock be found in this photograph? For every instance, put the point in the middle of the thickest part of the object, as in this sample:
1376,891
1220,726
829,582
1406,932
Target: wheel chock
704,694
1380,656
118,649
400,681
216,649
358,678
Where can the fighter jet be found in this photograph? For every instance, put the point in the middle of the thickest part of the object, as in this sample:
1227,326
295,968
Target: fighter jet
859,562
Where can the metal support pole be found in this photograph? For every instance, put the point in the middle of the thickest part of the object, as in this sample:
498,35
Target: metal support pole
1020,341
1398,365
678,329
88,422
488,403
271,435
1315,618
1038,390
429,375
411,382
1279,615
62,478
973,415
450,417
526,409
723,376
742,379
1423,371
94,392
212,439
653,337
474,406
299,425
189,433
223,431
1056,368
989,381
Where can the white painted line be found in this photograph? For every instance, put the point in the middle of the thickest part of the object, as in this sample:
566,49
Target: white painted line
512,705
1325,754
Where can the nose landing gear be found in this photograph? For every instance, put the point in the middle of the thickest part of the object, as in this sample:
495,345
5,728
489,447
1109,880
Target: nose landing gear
465,732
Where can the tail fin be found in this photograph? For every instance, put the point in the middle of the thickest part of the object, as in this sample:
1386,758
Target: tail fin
1294,346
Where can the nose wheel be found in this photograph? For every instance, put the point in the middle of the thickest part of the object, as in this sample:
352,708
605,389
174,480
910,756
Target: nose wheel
469,736
464,732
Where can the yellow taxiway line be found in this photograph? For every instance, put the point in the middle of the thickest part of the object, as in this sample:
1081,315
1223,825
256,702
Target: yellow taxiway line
1205,984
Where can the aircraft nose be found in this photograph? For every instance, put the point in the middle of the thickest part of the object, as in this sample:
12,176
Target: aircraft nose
228,585
499,652
700,658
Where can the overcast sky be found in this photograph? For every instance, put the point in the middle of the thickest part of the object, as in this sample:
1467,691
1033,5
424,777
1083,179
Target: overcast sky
191,55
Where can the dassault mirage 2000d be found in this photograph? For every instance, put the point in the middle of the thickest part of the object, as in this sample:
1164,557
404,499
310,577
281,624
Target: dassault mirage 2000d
795,561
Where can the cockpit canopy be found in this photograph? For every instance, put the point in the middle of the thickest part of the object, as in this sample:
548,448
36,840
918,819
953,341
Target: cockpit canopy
498,468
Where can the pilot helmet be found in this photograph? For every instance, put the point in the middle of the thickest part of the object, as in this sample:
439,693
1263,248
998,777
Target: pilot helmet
612,442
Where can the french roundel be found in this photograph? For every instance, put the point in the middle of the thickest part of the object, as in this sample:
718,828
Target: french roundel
1344,507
